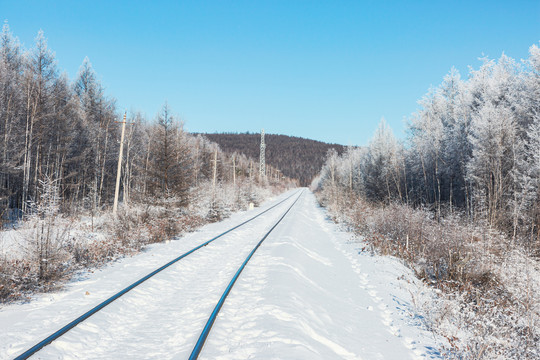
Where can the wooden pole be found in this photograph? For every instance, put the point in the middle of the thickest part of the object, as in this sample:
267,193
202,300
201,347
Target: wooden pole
215,171
234,170
119,169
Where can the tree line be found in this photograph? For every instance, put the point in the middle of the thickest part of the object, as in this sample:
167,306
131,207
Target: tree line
472,147
297,157
54,128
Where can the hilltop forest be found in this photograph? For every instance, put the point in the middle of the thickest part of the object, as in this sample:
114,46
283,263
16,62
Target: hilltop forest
296,157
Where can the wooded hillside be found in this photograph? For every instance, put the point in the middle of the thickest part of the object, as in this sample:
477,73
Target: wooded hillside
296,157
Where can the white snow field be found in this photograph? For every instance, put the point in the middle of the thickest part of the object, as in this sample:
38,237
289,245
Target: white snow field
307,293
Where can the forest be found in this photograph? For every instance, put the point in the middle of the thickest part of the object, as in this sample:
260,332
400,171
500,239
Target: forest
60,144
459,201
296,157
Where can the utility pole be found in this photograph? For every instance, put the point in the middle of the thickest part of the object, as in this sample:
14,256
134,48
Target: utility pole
119,169
215,171
350,175
262,163
234,170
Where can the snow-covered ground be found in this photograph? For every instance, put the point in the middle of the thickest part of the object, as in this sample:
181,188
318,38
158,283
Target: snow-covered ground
309,292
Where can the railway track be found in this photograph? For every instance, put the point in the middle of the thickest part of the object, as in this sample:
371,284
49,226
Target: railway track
206,331
204,334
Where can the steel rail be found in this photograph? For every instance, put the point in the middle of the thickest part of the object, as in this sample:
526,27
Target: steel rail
206,330
100,306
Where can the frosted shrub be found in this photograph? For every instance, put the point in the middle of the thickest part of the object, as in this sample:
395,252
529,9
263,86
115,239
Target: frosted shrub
46,234
45,258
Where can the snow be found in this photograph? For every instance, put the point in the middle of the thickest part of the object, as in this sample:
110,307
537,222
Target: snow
309,292
10,241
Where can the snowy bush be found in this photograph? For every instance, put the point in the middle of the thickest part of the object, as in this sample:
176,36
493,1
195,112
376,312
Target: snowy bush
45,234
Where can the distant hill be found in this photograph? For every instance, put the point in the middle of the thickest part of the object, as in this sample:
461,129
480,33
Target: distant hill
296,157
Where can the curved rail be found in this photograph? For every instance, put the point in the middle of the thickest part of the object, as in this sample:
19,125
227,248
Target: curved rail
206,330
100,306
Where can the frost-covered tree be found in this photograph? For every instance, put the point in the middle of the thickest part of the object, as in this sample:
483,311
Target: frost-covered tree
170,165
97,115
46,236
39,77
330,172
349,169
493,140
531,180
497,142
428,132
456,119
382,168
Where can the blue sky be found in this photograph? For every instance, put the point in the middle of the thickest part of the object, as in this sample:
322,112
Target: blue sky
325,70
